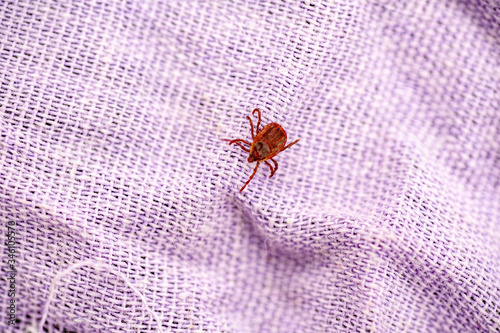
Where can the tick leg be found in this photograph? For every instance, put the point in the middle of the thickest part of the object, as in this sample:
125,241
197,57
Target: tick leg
241,146
270,167
258,123
251,127
235,141
273,171
275,167
249,179
291,144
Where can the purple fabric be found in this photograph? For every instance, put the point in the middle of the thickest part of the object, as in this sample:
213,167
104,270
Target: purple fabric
385,217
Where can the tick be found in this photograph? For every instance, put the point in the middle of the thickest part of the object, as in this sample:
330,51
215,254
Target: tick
266,144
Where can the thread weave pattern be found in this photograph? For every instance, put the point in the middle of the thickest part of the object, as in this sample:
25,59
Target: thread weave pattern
385,217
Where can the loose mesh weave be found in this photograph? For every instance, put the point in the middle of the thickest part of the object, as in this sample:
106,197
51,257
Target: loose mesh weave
385,217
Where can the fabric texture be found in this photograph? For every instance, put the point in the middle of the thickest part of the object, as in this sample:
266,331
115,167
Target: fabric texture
385,217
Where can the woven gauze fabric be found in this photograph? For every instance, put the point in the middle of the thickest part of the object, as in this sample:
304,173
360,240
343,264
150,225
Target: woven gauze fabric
124,199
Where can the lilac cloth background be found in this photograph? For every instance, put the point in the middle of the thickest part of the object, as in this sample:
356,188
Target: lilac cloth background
384,218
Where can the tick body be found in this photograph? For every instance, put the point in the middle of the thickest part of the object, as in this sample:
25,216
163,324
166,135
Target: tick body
268,142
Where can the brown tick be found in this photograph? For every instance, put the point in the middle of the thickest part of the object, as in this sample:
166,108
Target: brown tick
266,144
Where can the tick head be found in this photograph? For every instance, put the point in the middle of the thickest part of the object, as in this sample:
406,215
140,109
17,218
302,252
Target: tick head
259,151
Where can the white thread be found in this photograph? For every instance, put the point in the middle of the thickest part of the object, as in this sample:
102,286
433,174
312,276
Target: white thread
73,267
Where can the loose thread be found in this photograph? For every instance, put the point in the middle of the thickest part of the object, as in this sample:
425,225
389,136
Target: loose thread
73,267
